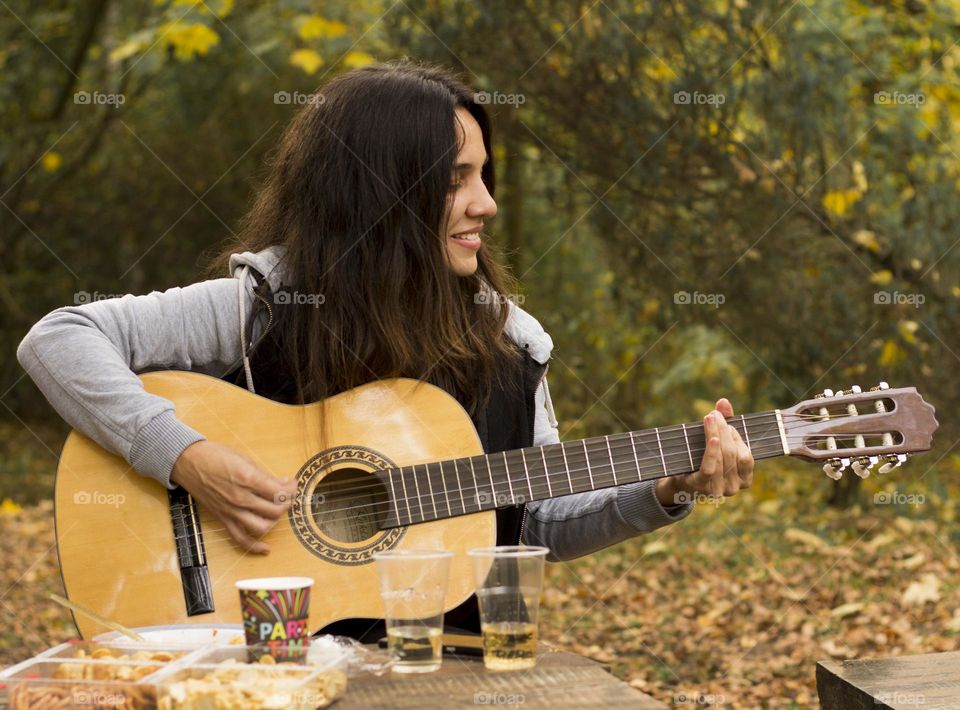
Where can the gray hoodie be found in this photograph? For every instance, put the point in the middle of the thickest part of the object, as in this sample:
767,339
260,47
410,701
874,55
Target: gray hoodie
85,360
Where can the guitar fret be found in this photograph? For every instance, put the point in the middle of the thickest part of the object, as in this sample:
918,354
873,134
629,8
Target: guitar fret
613,466
526,473
493,490
586,456
456,471
416,483
406,496
443,481
746,434
476,486
566,466
693,466
433,499
546,472
506,472
633,445
660,446
396,501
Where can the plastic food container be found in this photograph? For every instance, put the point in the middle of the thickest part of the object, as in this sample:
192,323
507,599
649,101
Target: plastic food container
137,676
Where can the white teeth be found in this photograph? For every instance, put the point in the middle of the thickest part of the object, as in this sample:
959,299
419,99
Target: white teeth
467,237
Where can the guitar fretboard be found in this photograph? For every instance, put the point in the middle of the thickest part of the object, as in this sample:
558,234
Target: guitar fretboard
444,489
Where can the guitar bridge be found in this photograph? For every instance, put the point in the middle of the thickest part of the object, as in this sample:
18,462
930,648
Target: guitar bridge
188,537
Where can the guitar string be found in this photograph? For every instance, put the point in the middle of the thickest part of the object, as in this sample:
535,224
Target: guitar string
469,490
470,493
617,444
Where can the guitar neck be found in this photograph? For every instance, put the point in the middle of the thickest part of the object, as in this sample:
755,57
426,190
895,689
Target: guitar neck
445,489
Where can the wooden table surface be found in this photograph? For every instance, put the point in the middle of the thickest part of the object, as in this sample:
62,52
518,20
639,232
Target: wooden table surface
560,680
930,681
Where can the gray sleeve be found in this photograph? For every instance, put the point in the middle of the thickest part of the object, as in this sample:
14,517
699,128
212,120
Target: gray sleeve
84,359
576,525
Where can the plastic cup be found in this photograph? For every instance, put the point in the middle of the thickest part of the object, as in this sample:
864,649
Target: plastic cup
509,580
413,586
276,616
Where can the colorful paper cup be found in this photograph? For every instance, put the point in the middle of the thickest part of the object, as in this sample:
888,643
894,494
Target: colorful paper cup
276,616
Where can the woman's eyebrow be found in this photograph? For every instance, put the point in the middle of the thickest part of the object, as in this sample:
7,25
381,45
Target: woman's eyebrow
469,166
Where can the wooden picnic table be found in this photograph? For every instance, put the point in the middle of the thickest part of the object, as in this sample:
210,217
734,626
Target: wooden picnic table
930,681
560,680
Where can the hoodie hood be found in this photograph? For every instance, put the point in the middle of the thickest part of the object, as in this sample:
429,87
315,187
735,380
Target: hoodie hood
523,328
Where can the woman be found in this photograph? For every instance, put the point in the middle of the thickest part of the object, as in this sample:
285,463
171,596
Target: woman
363,257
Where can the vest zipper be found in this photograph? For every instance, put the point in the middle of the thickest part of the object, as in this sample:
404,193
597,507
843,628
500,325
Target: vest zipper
523,521
269,315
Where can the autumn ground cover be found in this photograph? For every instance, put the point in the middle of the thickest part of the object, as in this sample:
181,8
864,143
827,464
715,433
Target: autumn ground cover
735,605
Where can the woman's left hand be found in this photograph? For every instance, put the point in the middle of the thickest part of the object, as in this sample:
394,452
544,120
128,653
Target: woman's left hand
726,468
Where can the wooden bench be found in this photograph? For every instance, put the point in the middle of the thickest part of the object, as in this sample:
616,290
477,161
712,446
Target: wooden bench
560,680
929,682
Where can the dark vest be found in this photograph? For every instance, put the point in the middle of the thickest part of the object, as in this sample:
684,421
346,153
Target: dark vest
506,423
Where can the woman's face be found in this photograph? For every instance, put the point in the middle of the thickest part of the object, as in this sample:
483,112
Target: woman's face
469,204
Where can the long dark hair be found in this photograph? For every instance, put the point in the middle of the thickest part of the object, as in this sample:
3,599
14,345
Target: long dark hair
356,193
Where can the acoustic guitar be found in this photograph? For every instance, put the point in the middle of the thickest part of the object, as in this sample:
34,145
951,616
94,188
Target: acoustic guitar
403,467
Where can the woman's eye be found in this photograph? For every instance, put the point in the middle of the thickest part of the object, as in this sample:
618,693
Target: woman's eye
456,186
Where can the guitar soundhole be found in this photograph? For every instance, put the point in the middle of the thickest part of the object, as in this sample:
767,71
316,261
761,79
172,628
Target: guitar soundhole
349,505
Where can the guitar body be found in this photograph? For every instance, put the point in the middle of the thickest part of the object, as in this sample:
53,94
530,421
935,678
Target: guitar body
116,539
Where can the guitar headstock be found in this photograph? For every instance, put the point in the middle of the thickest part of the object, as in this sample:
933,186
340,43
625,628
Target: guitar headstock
857,429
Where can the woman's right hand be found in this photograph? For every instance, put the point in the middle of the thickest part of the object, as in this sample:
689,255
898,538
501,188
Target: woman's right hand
244,497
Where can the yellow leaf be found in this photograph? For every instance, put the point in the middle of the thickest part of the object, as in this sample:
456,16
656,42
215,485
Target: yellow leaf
867,239
358,59
859,176
926,589
8,507
306,59
908,329
656,547
882,277
892,354
127,49
316,27
188,40
840,201
845,610
51,161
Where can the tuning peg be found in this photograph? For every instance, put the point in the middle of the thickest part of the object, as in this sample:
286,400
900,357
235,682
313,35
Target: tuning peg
834,468
881,386
855,389
861,466
893,461
825,393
